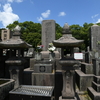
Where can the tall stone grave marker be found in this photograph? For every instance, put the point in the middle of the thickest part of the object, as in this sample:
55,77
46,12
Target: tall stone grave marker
48,33
94,51
95,37
94,91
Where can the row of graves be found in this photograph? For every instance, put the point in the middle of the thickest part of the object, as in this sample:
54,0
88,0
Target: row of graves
50,74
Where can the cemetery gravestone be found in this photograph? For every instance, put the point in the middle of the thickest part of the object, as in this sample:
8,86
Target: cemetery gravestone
95,37
48,33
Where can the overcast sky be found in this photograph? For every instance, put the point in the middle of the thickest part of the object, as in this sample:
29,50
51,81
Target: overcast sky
62,11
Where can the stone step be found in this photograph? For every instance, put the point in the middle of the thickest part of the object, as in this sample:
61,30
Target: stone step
60,98
87,68
96,86
97,79
83,80
93,94
96,66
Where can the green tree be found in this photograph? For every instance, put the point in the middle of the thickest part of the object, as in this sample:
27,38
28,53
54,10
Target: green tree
32,38
58,31
13,25
27,27
31,32
58,35
82,33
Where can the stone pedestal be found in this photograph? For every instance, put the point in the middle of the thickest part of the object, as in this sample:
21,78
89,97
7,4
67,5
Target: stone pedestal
94,91
68,86
43,74
83,80
16,66
16,73
68,91
43,79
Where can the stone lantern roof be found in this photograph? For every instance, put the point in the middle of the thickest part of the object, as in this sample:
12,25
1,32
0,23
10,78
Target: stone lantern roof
67,40
15,42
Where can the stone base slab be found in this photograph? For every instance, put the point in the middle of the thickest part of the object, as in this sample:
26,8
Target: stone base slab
27,76
43,79
96,86
83,80
93,94
87,68
60,98
97,79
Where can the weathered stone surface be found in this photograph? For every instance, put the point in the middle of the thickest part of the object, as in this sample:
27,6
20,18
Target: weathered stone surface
16,73
96,86
58,65
87,68
83,81
27,76
93,94
96,66
32,62
43,68
97,79
58,84
48,33
43,79
45,55
5,88
95,37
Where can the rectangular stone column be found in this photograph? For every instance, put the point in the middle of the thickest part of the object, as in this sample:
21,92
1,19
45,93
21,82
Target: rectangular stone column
48,33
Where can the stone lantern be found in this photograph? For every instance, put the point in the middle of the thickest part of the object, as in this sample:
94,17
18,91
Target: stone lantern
16,60
67,43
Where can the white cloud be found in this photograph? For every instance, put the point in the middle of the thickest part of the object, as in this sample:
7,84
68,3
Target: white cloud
14,1
7,8
62,14
94,16
46,14
39,19
10,0
7,16
98,21
18,0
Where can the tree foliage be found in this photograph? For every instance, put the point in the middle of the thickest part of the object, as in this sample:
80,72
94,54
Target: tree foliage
31,32
32,38
81,32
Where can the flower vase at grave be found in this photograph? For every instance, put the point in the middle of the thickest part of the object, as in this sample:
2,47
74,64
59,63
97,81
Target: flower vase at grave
51,56
38,56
